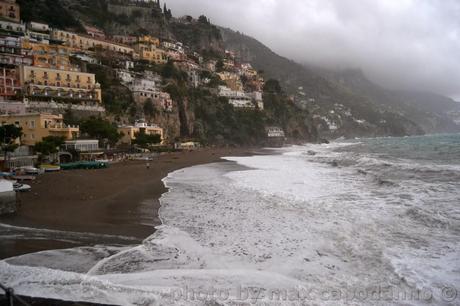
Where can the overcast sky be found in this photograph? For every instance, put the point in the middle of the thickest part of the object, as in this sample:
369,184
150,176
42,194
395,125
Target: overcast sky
398,43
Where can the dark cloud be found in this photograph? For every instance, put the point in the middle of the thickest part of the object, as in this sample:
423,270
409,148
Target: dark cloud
398,43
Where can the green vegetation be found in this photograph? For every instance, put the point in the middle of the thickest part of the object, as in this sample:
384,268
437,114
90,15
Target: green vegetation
103,130
116,98
216,121
8,135
145,141
52,12
199,35
49,145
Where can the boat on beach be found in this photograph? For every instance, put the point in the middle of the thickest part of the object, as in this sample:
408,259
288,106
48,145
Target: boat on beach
18,187
50,168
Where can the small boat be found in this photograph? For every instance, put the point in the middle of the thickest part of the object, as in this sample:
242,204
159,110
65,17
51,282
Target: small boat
23,177
18,187
50,168
30,170
106,161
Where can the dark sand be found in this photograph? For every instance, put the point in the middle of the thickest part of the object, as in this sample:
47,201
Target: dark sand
121,200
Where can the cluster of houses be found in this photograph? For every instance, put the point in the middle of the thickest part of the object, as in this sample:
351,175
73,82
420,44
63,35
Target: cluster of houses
42,77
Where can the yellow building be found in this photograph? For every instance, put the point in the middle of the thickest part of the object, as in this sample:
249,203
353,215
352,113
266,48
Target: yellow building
49,56
60,84
130,131
36,126
149,52
149,40
82,42
10,10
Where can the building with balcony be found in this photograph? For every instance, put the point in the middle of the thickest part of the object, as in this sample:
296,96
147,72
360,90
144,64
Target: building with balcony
83,42
149,40
38,32
10,10
12,27
49,56
151,53
240,99
53,84
12,54
130,131
94,32
36,126
143,89
9,83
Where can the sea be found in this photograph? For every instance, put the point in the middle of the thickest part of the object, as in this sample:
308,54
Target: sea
353,222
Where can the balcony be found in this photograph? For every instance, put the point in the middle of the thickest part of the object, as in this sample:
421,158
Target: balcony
61,127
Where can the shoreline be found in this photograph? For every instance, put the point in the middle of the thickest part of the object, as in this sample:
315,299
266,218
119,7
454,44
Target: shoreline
106,206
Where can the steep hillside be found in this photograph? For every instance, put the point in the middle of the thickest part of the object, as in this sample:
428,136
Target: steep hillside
336,104
432,112
338,109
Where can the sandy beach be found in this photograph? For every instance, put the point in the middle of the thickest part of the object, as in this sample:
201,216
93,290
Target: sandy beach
122,200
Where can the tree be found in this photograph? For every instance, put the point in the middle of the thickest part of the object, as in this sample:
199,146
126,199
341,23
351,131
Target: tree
100,129
8,135
167,12
220,65
149,108
145,140
49,145
203,19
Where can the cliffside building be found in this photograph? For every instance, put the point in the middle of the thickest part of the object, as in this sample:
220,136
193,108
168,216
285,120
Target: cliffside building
71,86
10,10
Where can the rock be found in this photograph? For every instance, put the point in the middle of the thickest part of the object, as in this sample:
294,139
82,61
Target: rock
362,172
334,164
324,141
312,153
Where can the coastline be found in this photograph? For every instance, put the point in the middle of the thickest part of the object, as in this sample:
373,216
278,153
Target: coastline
121,201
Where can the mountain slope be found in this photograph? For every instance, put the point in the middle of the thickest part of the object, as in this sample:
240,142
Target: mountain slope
340,105
430,111
339,110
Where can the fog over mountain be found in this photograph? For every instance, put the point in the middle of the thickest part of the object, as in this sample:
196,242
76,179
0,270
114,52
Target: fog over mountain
404,44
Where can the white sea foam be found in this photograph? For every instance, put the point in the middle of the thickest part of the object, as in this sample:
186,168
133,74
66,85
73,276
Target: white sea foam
287,222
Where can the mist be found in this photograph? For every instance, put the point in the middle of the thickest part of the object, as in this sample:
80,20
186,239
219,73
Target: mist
399,44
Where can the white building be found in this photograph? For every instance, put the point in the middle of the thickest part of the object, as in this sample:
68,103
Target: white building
240,99
174,46
37,26
125,76
86,58
143,89
275,131
12,26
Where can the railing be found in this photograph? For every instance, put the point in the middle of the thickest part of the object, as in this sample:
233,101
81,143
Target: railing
11,297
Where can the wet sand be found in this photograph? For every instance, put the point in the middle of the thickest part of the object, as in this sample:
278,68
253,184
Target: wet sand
122,200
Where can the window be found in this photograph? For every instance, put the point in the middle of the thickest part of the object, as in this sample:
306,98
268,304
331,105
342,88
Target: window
32,124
